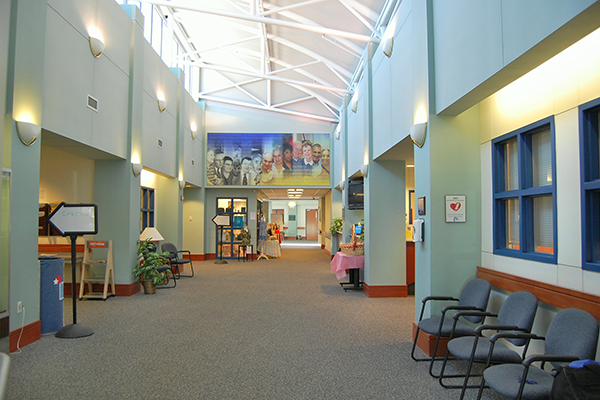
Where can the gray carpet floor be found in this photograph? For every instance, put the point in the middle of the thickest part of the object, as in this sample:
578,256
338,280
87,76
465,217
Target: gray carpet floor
269,329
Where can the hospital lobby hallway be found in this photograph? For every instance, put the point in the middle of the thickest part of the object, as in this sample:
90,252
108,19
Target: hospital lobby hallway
267,329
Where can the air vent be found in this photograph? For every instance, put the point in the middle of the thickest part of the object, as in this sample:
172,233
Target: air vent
159,143
92,103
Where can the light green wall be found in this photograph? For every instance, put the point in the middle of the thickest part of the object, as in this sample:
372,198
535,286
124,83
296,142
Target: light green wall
169,210
385,240
194,220
24,88
117,194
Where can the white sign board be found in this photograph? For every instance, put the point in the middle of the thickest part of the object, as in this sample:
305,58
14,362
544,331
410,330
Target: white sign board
456,208
75,219
222,220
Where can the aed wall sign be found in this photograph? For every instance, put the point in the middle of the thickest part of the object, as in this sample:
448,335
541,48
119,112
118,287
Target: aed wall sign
456,208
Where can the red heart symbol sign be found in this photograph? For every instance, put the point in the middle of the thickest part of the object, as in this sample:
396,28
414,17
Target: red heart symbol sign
455,206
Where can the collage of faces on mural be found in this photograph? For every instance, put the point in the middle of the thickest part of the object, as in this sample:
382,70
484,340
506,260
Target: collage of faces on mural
268,159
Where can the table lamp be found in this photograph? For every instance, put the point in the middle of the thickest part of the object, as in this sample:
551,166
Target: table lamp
153,234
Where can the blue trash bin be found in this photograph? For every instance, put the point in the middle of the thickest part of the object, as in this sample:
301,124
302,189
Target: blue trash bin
51,293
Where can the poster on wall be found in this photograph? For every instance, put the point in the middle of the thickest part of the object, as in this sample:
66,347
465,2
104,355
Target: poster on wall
268,159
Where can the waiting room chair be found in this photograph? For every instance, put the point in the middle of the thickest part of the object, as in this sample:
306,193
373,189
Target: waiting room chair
474,297
572,335
176,261
517,314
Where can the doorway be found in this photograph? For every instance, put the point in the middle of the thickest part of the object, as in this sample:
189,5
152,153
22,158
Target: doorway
312,224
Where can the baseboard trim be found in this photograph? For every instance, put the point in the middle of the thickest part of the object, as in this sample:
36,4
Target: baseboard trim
426,342
31,333
195,257
122,290
385,290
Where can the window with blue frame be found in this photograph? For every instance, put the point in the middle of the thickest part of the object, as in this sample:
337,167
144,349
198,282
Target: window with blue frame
589,116
524,182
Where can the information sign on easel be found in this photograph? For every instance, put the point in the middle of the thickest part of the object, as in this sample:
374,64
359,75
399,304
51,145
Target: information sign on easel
221,220
74,220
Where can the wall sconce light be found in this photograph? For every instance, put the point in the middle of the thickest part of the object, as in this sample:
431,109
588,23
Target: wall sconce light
338,131
137,169
28,132
194,130
418,132
96,46
388,46
181,184
96,43
292,204
364,170
162,104
354,102
342,184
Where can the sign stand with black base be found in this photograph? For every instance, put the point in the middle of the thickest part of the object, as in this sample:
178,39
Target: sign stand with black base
221,220
74,220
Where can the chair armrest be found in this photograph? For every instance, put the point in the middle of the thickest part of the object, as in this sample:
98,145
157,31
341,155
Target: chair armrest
439,298
183,251
548,357
487,327
516,335
457,307
474,314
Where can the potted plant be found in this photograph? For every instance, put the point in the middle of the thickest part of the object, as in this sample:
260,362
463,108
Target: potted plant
336,225
146,268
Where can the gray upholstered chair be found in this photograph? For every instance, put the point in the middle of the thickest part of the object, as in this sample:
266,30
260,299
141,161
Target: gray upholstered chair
176,261
572,335
517,314
474,297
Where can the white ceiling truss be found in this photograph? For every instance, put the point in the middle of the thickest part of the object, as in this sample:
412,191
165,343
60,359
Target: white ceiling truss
293,57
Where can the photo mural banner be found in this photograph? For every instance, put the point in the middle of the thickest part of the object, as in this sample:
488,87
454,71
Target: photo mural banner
268,159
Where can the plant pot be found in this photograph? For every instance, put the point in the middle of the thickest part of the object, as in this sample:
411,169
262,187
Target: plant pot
149,288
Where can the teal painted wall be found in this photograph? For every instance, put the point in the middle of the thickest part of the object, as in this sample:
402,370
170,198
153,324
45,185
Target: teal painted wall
24,94
117,194
385,238
194,220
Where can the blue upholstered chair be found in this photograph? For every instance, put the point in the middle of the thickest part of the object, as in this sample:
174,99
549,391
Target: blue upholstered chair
572,335
474,297
517,314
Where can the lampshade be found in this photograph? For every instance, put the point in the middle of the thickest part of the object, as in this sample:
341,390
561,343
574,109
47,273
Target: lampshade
162,105
388,46
181,184
137,169
364,170
96,46
28,132
354,103
418,132
194,131
152,234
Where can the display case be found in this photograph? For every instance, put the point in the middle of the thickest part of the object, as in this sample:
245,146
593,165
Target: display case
237,209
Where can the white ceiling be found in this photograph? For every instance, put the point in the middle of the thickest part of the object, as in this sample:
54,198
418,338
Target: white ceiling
288,56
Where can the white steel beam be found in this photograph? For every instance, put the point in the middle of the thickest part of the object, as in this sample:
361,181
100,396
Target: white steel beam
275,10
310,53
307,74
270,21
273,78
279,110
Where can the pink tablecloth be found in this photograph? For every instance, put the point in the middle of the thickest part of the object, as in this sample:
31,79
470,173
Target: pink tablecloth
341,262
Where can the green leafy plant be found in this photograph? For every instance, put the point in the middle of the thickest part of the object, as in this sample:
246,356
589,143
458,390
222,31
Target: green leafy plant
361,237
336,225
147,263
